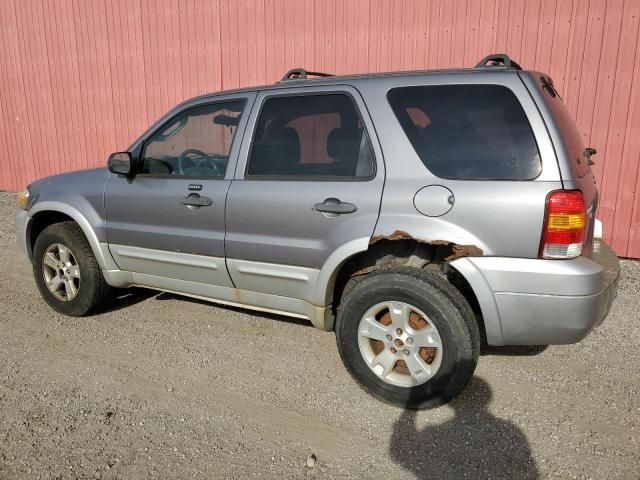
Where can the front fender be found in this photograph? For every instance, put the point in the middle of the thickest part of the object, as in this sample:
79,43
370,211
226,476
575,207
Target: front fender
95,236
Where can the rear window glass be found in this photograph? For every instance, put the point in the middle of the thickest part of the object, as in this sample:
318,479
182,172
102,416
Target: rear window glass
475,132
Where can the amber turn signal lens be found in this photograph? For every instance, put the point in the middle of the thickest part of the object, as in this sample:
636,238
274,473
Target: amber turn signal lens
23,199
564,230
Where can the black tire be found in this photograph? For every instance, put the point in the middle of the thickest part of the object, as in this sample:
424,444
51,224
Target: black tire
445,307
93,292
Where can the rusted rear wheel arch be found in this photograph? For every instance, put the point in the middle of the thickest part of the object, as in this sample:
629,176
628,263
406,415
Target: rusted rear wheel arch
402,250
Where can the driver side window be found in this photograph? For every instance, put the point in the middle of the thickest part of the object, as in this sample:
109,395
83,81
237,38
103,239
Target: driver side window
197,142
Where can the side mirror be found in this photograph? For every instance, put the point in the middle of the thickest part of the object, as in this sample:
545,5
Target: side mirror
120,163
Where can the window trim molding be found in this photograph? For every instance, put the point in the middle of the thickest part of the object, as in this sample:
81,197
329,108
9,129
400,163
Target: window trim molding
309,178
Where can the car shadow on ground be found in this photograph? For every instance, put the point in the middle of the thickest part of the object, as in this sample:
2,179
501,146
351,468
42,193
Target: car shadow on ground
127,297
473,444
513,350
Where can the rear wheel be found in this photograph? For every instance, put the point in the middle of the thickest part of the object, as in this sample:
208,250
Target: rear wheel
408,337
67,272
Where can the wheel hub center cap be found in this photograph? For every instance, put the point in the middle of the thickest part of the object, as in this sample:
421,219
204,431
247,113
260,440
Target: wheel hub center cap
398,343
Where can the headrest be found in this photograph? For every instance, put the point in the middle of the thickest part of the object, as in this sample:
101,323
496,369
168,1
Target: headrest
343,143
285,136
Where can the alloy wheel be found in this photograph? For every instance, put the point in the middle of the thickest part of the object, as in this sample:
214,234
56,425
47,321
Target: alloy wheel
400,344
61,272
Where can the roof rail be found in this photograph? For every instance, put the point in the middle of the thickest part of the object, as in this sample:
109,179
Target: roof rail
301,73
498,60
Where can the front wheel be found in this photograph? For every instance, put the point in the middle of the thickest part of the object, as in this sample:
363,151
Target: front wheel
408,337
67,272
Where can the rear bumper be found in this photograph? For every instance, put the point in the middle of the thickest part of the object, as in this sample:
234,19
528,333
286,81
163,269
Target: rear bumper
542,302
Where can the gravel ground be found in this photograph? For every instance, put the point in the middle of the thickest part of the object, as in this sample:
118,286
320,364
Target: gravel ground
167,387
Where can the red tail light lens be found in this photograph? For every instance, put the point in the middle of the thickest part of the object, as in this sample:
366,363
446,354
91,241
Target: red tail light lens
565,223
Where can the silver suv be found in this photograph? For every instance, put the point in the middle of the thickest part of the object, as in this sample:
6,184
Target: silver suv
416,214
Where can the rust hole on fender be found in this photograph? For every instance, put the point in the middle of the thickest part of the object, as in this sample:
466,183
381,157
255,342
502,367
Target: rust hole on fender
445,250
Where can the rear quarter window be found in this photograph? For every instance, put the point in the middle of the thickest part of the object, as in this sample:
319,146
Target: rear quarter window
468,132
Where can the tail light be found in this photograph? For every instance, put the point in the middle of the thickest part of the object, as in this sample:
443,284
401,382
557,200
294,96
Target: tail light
565,223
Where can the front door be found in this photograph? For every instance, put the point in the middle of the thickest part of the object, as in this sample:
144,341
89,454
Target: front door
309,181
168,221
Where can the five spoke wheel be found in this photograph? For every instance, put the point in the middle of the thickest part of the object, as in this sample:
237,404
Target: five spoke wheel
61,272
400,344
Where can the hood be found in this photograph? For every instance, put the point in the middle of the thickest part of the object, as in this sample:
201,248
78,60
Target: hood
72,180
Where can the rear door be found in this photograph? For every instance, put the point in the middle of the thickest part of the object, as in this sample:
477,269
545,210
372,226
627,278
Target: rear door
168,221
309,180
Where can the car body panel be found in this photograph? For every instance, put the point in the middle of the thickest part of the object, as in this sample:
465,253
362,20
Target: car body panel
262,246
540,302
22,226
192,236
278,304
569,149
147,212
273,220
196,268
484,212
273,278
80,196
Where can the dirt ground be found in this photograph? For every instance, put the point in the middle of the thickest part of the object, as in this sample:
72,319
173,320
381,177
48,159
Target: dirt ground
167,387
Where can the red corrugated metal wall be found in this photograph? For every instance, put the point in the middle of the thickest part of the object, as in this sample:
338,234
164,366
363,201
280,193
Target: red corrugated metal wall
79,78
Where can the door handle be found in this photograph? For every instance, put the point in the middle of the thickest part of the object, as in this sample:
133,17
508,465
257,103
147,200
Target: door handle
193,200
334,206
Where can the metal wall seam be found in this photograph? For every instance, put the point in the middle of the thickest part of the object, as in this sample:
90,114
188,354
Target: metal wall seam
84,78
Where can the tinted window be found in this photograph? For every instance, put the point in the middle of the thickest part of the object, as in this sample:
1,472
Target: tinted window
195,142
468,131
310,136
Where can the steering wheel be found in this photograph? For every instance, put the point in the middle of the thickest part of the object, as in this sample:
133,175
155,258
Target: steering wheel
195,162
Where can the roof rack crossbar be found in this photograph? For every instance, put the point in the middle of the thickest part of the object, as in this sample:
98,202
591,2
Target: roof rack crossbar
498,60
301,73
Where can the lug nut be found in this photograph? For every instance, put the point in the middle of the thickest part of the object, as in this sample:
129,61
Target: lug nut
398,331
409,340
393,350
389,337
406,352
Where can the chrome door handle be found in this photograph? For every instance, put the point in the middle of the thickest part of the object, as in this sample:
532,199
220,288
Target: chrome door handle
194,200
335,206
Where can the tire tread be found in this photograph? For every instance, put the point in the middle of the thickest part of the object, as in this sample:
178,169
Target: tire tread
100,291
458,308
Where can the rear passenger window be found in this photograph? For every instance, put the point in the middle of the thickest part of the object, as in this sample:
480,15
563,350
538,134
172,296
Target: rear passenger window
316,136
473,132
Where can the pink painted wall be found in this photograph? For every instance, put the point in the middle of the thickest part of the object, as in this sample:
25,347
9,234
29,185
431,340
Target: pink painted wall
82,78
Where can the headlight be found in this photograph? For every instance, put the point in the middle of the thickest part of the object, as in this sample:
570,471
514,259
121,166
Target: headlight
23,199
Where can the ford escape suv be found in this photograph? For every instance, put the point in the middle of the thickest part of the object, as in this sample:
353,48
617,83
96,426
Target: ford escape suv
414,213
